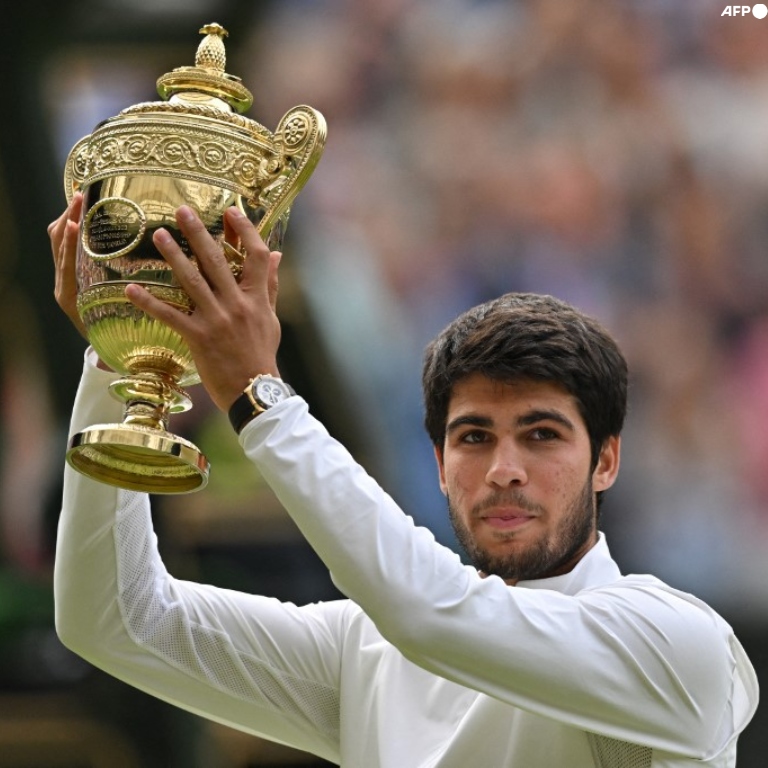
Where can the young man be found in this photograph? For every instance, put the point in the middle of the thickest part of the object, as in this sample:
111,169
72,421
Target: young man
541,656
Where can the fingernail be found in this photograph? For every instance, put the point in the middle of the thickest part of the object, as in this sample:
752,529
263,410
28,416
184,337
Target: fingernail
163,236
236,213
185,213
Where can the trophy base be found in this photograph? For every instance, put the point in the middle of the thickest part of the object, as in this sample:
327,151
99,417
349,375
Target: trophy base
138,458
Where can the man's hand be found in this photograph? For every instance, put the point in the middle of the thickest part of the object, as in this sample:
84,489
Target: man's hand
63,234
233,332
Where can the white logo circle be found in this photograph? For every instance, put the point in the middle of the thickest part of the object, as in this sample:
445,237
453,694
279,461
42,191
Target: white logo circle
760,11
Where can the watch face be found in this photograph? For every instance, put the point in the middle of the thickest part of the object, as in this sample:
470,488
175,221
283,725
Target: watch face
270,391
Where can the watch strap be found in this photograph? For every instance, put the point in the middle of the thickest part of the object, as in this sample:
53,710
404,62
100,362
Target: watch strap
241,412
246,408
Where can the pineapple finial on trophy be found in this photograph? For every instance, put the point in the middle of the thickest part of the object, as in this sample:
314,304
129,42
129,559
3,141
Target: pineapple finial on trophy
210,52
208,77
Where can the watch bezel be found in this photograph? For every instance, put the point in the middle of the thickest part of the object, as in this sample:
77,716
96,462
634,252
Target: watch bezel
251,393
248,405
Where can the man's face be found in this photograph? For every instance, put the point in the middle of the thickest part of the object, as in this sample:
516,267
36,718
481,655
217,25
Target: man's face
515,467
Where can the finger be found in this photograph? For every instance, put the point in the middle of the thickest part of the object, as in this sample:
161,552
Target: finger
230,236
69,230
272,279
65,286
233,252
188,275
66,268
154,307
256,271
57,228
209,253
242,227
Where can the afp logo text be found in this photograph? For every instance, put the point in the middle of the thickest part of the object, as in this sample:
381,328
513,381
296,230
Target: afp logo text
759,11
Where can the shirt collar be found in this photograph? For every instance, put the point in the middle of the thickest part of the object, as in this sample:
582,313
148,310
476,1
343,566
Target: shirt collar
595,569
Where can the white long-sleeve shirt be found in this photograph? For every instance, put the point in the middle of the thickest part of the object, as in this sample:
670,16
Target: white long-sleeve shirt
426,665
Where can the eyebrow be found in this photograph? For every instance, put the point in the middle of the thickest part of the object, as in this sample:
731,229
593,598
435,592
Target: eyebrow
545,414
526,420
468,421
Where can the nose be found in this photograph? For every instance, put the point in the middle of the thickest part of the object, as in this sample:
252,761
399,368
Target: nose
507,466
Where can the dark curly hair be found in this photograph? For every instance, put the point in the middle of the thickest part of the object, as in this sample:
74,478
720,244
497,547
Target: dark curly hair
530,336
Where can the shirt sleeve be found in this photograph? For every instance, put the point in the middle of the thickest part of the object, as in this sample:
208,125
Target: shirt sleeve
633,661
251,662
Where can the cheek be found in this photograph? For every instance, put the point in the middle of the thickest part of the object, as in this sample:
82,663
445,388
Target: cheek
456,479
562,481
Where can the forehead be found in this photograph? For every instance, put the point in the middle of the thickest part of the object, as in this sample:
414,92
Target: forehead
477,393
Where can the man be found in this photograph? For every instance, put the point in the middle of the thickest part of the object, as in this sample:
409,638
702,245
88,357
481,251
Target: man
541,656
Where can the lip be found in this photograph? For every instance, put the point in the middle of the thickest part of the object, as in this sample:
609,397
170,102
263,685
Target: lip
506,519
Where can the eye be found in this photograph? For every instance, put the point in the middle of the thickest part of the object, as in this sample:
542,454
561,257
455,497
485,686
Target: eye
474,437
543,434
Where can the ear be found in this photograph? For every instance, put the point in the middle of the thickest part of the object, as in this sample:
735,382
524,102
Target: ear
441,468
607,467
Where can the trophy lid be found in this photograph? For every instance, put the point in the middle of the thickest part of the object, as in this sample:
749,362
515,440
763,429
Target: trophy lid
197,132
207,77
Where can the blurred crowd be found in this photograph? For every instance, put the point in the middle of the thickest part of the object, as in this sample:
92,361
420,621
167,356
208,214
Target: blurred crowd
610,153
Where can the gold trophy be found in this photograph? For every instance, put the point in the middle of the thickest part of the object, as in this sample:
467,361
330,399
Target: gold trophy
135,170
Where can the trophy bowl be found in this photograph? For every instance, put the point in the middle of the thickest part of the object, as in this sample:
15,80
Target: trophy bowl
135,170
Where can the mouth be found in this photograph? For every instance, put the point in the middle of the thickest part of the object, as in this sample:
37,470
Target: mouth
506,519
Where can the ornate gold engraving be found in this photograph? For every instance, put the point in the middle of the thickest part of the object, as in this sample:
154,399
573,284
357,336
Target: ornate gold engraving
113,227
179,150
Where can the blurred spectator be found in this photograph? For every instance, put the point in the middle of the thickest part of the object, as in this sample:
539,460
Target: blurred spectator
608,153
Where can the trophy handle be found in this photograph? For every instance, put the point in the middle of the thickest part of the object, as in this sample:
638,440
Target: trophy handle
300,137
76,167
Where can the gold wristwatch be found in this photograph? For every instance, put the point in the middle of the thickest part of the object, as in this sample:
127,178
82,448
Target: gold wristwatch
263,392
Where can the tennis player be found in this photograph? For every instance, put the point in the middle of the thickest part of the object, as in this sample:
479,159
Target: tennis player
540,654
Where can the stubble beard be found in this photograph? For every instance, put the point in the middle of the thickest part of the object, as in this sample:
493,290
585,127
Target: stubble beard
543,557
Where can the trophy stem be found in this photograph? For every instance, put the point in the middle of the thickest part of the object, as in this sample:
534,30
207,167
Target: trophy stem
140,453
150,398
